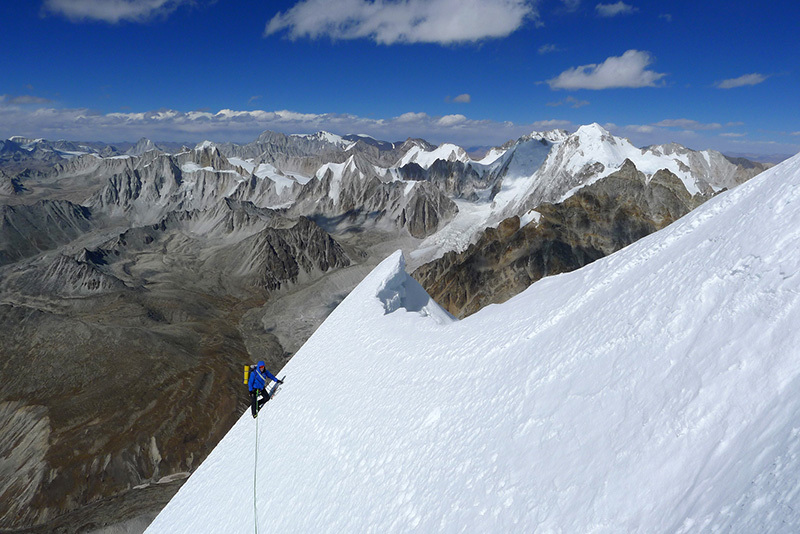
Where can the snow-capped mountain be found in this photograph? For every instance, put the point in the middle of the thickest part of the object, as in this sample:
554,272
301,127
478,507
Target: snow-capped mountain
562,163
551,166
426,158
656,390
185,263
595,221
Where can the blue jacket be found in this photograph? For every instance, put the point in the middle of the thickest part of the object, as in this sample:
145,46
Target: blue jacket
258,378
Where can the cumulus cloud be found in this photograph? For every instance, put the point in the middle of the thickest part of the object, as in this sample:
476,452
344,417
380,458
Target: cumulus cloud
688,124
747,79
627,70
463,99
244,126
612,10
412,117
112,11
641,128
405,21
452,120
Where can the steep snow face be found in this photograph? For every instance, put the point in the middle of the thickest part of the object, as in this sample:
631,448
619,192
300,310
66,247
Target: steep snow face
656,390
337,171
424,158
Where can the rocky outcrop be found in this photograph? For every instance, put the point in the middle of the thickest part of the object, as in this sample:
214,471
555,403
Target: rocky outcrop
10,185
426,210
597,220
276,257
455,178
63,276
233,248
353,194
143,145
23,444
26,230
146,193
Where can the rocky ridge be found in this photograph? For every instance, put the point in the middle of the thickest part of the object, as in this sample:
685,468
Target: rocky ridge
596,221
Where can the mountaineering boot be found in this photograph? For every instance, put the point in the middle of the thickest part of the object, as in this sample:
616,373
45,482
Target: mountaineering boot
263,400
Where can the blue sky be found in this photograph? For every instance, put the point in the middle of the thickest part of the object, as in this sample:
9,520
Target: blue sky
712,74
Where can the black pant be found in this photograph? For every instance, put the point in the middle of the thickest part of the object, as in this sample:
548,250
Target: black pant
255,404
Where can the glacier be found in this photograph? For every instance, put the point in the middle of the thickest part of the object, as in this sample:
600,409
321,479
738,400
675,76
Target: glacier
654,390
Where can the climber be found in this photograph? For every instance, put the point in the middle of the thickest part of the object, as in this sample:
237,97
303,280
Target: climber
257,383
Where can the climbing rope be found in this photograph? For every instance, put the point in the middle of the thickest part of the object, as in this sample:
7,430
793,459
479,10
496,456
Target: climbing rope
255,471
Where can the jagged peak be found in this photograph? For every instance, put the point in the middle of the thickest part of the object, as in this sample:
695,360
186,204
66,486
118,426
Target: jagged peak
412,142
204,145
553,136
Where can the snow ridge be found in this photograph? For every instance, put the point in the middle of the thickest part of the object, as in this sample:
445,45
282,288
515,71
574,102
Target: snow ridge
655,390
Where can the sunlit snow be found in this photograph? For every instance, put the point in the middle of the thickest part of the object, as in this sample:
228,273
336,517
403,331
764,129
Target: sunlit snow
655,390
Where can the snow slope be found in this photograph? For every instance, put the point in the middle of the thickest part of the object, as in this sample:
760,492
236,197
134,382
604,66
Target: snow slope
655,390
423,158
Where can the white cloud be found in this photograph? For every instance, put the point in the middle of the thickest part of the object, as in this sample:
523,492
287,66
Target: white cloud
612,10
547,49
571,101
463,99
406,21
244,126
688,124
112,11
643,128
412,117
732,134
747,79
627,70
452,120
666,16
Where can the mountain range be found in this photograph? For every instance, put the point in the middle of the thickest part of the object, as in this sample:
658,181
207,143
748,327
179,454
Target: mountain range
138,281
654,390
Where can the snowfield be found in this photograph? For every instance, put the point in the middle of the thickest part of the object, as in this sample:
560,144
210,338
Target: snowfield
655,390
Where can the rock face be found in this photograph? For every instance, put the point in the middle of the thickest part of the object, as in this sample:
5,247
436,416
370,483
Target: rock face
455,178
26,431
26,230
352,193
597,220
9,185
